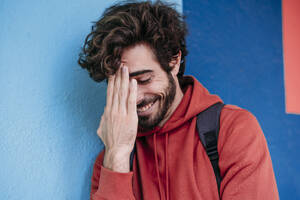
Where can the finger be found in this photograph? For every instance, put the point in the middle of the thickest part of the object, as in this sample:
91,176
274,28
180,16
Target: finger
132,97
115,102
110,90
124,90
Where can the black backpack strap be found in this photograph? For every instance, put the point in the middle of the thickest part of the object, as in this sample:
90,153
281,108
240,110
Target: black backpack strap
208,125
131,157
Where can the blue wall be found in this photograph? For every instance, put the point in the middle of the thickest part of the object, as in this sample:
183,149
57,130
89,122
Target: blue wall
49,107
235,50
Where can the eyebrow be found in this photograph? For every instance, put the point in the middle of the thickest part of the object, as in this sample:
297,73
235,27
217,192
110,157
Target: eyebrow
140,72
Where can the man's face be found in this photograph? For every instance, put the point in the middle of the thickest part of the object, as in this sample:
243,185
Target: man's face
156,88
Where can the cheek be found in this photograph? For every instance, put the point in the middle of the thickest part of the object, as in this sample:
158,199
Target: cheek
156,87
157,90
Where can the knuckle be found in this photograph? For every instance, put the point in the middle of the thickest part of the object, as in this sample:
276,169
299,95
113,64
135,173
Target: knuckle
104,117
114,115
106,110
99,133
122,94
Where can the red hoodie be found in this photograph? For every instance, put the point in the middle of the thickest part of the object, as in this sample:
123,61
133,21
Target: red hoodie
171,163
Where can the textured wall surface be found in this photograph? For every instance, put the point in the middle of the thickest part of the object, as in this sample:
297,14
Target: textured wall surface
49,108
236,52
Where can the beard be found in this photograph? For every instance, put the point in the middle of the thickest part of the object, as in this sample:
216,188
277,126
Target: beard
164,101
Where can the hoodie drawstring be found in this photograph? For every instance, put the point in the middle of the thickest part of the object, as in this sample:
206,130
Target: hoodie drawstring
166,166
156,166
167,171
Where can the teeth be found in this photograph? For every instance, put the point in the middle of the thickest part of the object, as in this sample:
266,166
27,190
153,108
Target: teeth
146,107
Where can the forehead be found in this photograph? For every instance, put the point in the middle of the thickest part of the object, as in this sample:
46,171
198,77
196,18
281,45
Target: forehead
139,57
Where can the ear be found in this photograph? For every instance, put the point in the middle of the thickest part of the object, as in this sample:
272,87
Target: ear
175,64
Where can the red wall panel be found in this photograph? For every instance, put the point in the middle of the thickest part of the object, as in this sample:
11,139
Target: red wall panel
291,49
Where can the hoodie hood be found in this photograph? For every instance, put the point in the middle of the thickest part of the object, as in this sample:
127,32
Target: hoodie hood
196,99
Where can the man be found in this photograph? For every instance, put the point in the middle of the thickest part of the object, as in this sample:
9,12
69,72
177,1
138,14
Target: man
140,49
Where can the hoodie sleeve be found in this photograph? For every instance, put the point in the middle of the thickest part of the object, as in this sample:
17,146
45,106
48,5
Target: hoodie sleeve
110,185
245,161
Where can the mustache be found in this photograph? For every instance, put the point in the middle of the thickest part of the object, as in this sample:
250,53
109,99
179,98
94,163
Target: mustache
146,101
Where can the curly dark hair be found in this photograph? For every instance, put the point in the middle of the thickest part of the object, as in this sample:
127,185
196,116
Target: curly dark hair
128,23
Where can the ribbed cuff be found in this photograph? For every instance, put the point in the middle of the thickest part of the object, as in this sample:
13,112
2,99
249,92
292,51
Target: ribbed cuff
115,185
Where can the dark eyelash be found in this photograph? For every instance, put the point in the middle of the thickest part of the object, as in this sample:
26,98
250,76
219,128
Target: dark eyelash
144,82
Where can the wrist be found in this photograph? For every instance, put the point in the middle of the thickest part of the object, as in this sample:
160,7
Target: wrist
117,160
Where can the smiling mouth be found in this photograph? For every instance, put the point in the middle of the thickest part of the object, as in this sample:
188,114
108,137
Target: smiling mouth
145,107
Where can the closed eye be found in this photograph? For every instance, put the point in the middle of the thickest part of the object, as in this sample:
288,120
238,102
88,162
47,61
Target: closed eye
144,82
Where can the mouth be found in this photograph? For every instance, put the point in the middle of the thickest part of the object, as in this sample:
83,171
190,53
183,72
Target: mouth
146,109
